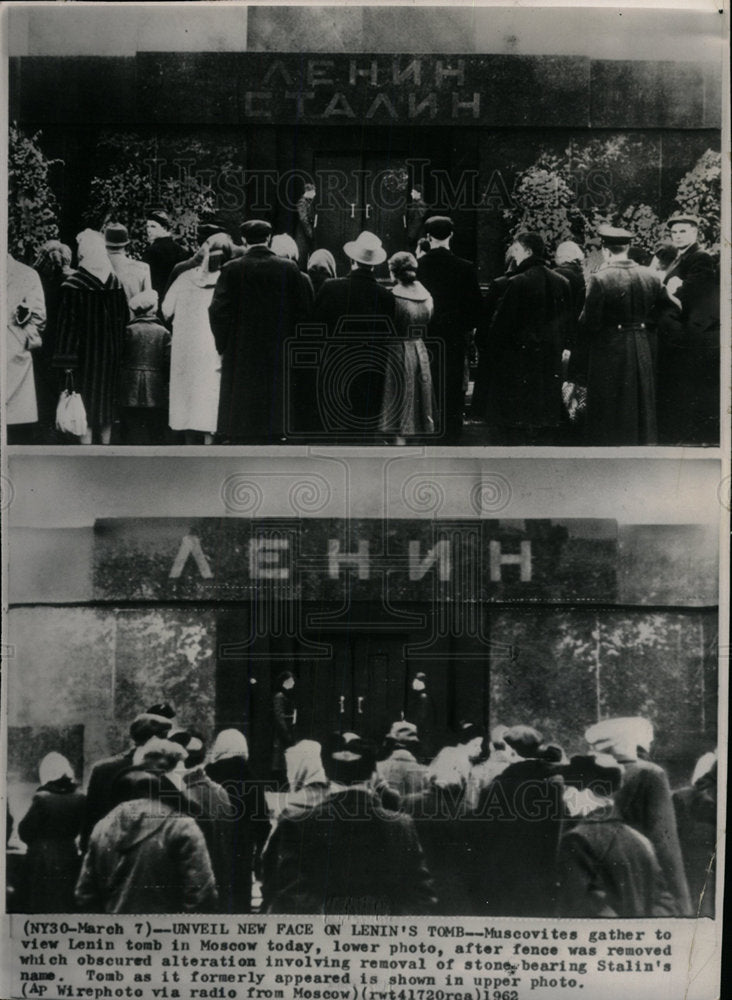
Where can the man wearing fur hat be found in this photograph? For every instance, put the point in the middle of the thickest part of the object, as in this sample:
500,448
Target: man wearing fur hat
148,855
605,867
156,722
349,854
644,798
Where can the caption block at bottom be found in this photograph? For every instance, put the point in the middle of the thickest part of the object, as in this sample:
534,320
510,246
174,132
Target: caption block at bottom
290,958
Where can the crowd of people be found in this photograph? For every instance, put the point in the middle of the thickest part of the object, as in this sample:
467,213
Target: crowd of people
258,341
500,824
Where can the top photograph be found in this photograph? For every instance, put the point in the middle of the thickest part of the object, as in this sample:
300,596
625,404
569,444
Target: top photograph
366,225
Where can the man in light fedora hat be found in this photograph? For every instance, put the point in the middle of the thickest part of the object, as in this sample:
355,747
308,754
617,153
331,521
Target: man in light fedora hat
362,310
134,276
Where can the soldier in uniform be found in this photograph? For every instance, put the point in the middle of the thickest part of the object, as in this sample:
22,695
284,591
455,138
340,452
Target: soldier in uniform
614,355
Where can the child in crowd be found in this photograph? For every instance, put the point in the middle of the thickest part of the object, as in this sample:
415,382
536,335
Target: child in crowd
145,373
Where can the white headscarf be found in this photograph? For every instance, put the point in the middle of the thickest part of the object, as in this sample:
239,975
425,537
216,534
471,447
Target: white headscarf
229,743
621,737
53,767
304,765
93,256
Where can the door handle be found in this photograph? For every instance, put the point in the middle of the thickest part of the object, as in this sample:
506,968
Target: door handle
353,210
368,211
342,703
360,705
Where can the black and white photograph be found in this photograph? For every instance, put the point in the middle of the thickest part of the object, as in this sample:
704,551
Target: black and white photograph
365,500
458,712
368,225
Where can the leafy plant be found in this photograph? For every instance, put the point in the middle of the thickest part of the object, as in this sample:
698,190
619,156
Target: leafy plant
700,192
132,177
32,204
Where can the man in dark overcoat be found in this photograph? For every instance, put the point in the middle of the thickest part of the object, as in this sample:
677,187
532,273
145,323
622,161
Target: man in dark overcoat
688,342
356,314
163,253
644,800
520,377
349,854
453,285
614,355
605,867
99,790
258,302
515,833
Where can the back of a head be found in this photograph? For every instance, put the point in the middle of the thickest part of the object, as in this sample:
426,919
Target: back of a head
531,242
219,251
145,303
524,740
323,261
568,252
351,759
403,266
284,246
162,755
134,784
145,726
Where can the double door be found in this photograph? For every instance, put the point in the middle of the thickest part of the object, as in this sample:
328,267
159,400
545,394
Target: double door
358,191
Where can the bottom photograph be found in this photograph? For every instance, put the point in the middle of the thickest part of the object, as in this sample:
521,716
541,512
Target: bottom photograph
476,716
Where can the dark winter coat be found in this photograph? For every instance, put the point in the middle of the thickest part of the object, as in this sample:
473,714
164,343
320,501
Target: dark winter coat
349,855
607,869
453,285
520,370
283,726
696,821
50,828
244,832
515,836
258,302
90,328
304,231
644,802
575,276
161,256
215,815
146,857
688,353
99,798
358,316
145,365
614,355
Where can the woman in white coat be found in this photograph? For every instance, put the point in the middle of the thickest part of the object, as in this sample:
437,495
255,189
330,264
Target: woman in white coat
195,364
26,319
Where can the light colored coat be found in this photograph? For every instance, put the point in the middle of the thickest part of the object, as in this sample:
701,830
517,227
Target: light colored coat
195,364
24,288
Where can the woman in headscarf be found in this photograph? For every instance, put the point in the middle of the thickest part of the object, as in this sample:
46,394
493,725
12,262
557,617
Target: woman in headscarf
53,265
50,828
195,365
308,787
228,766
92,316
408,404
321,267
284,246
